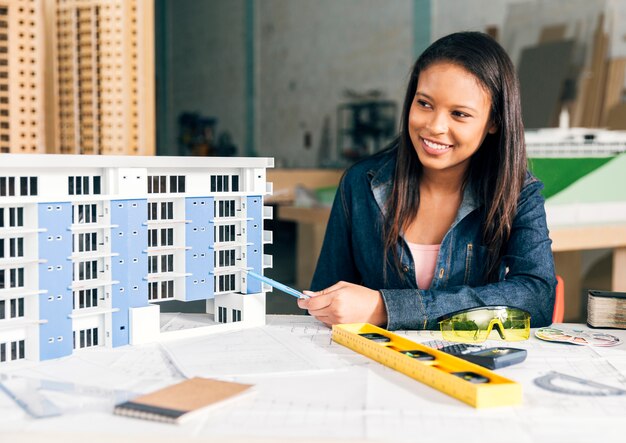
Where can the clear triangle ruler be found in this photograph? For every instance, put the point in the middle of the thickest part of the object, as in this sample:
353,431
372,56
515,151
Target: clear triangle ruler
30,394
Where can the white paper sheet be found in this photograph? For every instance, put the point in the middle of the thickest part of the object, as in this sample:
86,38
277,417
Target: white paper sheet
256,351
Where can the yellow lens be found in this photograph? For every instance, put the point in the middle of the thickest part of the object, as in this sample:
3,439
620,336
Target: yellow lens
516,325
474,326
462,330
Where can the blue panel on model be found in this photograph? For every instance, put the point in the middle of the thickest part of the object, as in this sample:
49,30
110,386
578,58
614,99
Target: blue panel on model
130,267
210,255
199,236
55,277
255,236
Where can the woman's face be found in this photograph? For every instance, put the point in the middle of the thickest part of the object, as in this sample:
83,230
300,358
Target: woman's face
449,117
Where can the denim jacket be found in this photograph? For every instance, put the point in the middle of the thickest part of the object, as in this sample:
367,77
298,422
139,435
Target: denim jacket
353,251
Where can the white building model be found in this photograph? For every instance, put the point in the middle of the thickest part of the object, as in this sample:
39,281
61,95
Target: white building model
89,246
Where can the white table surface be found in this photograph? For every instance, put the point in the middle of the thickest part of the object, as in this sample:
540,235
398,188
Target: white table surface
312,389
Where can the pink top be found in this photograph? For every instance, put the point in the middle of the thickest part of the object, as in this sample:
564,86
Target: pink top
425,258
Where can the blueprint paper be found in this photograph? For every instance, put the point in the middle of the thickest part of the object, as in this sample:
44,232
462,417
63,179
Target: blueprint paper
250,351
334,407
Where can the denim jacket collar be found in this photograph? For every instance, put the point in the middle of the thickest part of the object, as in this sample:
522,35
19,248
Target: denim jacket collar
381,182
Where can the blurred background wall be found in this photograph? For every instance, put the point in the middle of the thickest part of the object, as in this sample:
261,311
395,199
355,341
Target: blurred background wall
274,73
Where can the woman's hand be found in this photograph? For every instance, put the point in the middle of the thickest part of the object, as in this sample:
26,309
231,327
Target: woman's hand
346,303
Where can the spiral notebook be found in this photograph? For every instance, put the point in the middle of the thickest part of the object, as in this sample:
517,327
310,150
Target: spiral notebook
183,400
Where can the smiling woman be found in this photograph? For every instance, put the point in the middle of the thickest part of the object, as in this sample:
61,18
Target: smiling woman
448,217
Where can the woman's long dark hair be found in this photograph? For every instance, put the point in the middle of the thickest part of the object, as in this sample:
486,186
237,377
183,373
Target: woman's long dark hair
496,171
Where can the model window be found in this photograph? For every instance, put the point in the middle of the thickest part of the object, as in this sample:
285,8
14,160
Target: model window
16,247
167,237
14,350
12,308
16,307
226,233
157,184
167,210
81,185
85,242
224,208
152,238
153,264
153,290
9,185
177,183
87,338
96,185
84,214
167,289
225,258
152,211
167,263
86,270
161,290
224,283
173,183
16,217
85,298
236,315
221,183
222,314
15,277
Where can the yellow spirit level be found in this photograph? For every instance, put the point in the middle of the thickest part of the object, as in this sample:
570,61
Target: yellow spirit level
468,382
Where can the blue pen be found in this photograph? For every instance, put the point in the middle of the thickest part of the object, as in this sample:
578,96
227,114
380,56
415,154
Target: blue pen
275,284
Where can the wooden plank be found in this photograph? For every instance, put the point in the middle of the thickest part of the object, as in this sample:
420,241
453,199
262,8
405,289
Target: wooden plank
588,237
619,270
617,117
596,70
304,215
614,86
552,33
578,106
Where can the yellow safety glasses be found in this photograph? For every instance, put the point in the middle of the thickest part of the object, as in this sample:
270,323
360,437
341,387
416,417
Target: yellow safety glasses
474,325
